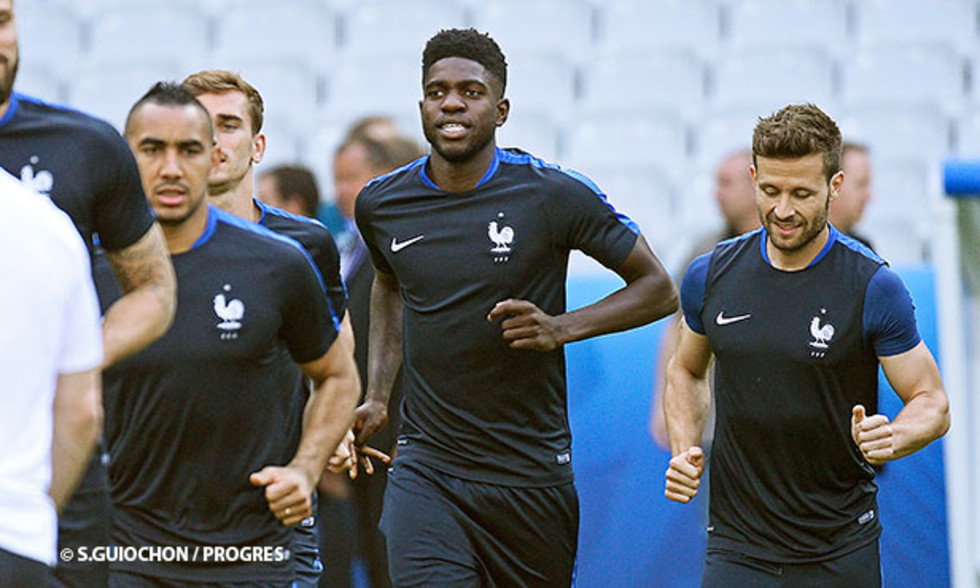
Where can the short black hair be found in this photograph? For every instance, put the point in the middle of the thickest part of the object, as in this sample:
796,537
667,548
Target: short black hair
170,94
468,44
297,181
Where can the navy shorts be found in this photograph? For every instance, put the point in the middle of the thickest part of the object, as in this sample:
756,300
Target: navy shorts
306,551
443,531
22,572
84,522
860,568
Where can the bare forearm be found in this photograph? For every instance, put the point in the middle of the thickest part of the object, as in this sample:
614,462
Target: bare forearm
644,300
77,423
328,416
148,304
924,419
385,341
687,402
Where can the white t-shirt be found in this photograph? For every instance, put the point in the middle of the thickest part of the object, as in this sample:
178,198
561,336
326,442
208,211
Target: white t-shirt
49,325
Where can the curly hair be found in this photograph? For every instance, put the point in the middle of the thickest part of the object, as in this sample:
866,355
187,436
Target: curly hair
468,44
799,130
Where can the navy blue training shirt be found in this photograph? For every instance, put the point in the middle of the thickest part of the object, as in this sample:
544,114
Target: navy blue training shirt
189,418
474,407
82,163
795,351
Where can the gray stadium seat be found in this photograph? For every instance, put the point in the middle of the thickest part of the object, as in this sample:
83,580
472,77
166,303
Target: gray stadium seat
672,79
905,73
173,30
50,36
916,21
375,26
531,26
628,140
298,30
912,133
640,25
768,79
754,23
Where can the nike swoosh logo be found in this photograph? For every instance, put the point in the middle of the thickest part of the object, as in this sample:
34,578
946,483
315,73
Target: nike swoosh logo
722,320
396,246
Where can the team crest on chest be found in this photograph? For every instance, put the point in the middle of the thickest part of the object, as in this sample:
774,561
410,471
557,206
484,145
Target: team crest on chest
821,333
502,237
39,181
230,312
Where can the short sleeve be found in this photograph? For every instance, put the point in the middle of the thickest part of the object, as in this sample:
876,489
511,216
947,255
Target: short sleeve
308,328
81,343
692,292
122,215
327,260
364,216
889,314
590,224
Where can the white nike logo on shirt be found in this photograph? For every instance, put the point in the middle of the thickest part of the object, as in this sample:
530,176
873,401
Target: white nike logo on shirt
722,320
396,246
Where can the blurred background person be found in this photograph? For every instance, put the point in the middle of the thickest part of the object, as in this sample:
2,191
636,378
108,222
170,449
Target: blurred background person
372,147
292,188
847,209
735,196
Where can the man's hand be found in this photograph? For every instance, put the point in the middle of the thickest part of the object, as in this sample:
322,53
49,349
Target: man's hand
684,475
288,490
526,326
346,457
369,418
873,435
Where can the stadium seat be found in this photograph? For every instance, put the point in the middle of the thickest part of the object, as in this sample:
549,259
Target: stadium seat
655,78
108,89
678,24
532,131
916,21
789,23
531,26
628,140
298,30
905,73
283,145
722,132
542,81
41,82
40,22
968,135
376,26
912,133
766,80
174,30
355,89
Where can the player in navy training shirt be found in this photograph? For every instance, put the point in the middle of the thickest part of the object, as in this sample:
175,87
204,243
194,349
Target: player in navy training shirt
471,248
199,452
83,165
798,317
236,110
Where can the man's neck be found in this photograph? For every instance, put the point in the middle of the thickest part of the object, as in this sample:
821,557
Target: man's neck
453,176
800,259
238,201
182,236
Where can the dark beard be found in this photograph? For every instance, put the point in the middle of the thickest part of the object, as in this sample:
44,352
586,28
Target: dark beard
7,82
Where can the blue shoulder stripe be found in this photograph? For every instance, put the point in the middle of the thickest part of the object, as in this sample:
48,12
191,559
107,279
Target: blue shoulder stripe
855,245
522,158
267,209
406,167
